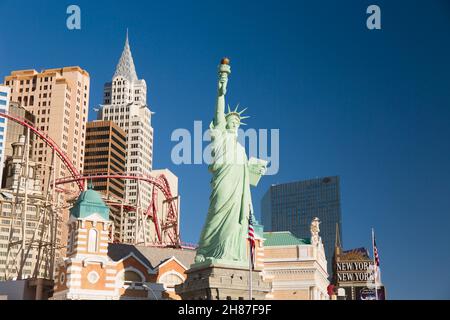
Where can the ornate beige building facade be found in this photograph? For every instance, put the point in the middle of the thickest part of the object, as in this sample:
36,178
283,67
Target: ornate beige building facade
32,227
296,267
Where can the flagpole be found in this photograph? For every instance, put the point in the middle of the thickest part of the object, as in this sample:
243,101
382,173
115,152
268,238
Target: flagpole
250,271
375,271
250,262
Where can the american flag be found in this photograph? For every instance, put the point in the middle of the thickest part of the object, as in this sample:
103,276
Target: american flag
376,257
375,253
251,239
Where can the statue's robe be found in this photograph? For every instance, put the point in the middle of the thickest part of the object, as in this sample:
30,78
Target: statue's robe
225,231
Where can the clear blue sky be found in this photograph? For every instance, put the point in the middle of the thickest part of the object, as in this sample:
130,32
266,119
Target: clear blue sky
370,106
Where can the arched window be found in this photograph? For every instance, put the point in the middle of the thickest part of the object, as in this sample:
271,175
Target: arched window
171,279
132,278
92,242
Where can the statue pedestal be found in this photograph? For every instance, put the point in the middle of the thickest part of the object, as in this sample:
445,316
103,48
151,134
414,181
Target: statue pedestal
222,282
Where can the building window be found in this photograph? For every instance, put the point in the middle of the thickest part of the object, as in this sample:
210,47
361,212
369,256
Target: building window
92,242
170,280
93,277
72,241
132,278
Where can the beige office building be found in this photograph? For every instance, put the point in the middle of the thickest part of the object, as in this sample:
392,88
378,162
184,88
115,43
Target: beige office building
59,100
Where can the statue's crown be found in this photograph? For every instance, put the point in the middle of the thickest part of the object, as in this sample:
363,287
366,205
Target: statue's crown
237,114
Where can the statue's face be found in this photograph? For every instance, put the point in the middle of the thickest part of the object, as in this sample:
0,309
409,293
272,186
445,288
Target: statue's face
233,123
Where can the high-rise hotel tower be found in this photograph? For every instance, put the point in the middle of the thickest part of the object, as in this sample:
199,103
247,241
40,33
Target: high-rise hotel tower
58,99
125,103
291,207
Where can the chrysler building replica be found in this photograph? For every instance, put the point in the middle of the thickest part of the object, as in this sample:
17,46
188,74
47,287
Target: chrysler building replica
125,103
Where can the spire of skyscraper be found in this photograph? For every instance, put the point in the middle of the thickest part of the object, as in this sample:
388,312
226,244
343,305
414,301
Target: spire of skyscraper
125,67
337,242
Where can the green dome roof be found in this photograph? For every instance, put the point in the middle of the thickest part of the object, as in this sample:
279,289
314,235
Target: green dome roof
90,202
91,196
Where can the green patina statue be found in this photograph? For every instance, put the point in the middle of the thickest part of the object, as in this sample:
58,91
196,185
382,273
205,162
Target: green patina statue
224,235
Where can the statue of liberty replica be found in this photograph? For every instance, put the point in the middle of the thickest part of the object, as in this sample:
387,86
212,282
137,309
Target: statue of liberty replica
223,252
224,234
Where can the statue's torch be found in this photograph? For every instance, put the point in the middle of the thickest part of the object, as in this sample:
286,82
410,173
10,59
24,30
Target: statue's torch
224,71
224,67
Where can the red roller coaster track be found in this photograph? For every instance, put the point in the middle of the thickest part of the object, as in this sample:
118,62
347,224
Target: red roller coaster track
170,224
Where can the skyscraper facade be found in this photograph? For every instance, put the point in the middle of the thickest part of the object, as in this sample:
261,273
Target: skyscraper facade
59,100
4,106
105,153
125,103
292,207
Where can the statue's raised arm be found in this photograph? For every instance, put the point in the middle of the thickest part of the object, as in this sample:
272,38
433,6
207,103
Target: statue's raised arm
224,71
